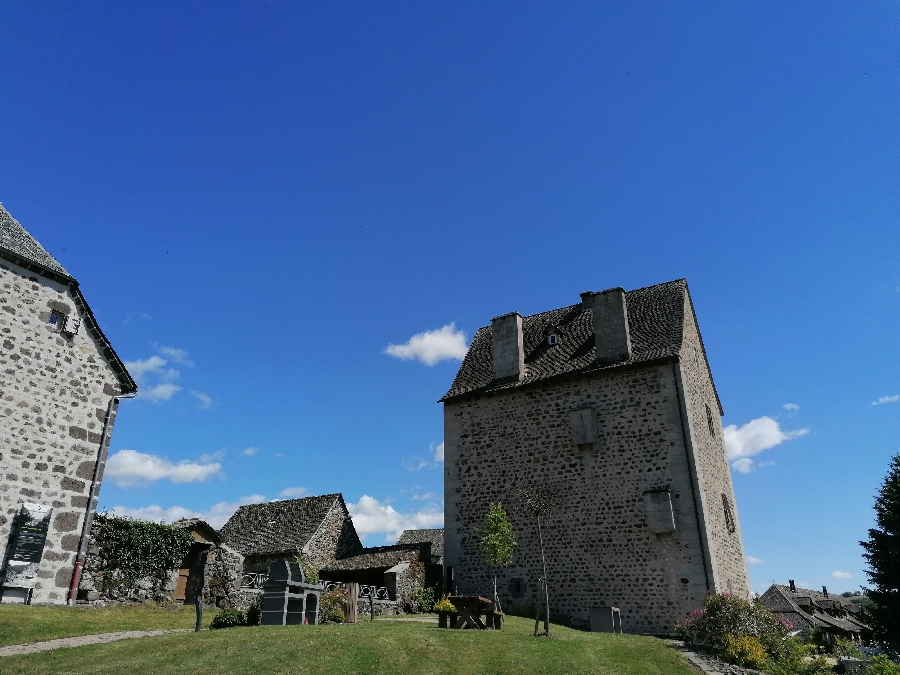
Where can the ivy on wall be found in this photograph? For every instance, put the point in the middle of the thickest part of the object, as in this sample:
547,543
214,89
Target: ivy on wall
133,549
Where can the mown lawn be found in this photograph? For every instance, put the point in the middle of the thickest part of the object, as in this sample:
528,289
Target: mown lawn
19,623
389,647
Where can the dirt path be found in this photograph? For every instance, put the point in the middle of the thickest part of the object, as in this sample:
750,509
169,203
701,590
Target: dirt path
81,640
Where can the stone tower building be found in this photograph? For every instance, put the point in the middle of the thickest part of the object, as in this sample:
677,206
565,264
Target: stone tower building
60,384
609,403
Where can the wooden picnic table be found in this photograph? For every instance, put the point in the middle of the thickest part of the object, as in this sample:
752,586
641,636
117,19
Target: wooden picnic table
469,609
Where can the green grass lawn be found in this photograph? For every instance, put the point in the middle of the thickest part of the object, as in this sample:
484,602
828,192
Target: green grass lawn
389,647
19,623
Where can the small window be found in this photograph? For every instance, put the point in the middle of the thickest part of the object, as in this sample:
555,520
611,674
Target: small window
710,423
730,525
552,339
57,320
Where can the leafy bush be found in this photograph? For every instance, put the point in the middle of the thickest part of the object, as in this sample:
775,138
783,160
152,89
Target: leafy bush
444,605
798,658
745,651
253,616
331,607
726,615
882,665
136,550
424,599
228,618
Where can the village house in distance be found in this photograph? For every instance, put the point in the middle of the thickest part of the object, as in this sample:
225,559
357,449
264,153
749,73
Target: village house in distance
60,384
610,404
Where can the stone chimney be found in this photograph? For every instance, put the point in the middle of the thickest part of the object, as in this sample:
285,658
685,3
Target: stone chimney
611,336
792,586
509,350
825,591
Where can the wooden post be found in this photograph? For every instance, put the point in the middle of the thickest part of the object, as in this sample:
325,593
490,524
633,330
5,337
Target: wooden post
198,602
371,603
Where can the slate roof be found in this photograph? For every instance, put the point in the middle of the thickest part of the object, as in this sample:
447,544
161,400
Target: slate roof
15,239
381,557
655,323
275,527
19,247
433,536
201,527
811,607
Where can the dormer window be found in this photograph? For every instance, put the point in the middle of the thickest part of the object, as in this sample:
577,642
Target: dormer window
552,339
57,320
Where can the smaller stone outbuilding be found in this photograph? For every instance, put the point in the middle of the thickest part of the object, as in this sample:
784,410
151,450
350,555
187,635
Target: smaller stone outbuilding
434,536
807,610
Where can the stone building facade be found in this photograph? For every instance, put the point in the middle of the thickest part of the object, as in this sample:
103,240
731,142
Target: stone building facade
60,382
610,406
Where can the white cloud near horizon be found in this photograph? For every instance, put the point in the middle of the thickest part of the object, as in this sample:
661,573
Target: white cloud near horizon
425,497
432,346
141,367
129,468
176,355
371,516
887,399
161,392
744,443
439,452
216,515
293,492
753,561
837,574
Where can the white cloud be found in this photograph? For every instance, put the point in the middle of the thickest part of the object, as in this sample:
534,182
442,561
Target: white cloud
127,468
141,367
415,464
837,574
753,438
792,408
439,453
204,399
177,355
250,451
425,497
371,516
753,561
139,316
887,399
216,515
216,456
293,492
161,392
432,346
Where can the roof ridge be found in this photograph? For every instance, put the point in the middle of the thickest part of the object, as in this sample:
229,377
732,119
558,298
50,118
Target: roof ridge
15,239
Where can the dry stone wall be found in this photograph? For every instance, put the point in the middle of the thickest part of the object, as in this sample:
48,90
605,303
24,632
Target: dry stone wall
54,393
600,547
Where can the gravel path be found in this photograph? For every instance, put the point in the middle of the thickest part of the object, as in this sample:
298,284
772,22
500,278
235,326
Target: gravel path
81,640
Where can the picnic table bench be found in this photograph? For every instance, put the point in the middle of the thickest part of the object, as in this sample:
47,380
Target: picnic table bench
469,610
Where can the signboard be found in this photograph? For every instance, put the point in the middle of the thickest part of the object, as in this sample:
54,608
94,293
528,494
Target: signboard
30,534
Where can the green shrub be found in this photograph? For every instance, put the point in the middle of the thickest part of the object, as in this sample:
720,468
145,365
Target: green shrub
331,607
744,651
254,616
424,599
228,618
882,665
798,658
726,615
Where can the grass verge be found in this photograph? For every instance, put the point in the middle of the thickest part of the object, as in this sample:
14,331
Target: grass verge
380,647
20,623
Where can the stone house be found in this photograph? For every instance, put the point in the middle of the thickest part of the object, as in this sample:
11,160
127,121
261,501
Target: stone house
60,385
807,610
321,532
433,536
610,406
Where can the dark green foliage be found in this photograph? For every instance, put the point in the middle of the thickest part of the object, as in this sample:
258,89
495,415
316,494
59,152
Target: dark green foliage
254,616
331,607
135,549
496,540
424,599
228,618
882,552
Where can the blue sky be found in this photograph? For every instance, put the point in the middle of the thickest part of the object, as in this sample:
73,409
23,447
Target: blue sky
259,199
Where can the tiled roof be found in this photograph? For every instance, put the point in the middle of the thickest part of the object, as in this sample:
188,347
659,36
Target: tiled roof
811,606
275,527
381,557
655,323
433,536
16,239
201,526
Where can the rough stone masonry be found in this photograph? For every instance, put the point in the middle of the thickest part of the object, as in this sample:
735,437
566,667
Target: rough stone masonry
59,379
610,404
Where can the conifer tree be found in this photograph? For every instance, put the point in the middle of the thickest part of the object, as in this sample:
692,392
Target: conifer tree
883,555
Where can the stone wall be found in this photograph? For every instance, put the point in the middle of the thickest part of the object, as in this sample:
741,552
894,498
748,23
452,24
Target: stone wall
725,545
54,394
224,569
335,538
600,547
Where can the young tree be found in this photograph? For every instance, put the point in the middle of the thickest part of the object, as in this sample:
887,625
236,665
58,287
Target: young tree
883,555
496,542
